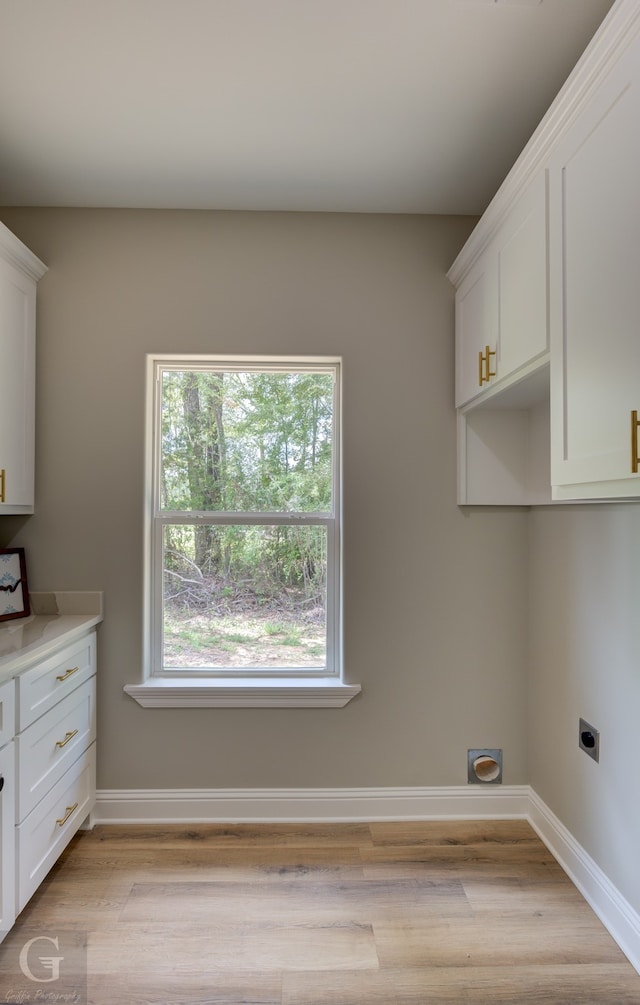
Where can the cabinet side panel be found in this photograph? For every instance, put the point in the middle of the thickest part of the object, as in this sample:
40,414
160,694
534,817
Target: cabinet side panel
7,836
496,457
17,375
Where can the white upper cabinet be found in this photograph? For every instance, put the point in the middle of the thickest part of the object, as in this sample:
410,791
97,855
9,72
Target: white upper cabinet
501,300
501,314
595,177
19,272
546,292
502,356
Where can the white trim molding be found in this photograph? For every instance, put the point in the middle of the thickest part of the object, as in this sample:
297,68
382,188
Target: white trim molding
250,692
347,805
350,805
615,912
19,255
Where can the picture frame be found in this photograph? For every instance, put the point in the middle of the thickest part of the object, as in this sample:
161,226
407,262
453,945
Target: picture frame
14,592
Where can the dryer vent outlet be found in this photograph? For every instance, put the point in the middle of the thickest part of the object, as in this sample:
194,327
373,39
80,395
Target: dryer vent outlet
484,766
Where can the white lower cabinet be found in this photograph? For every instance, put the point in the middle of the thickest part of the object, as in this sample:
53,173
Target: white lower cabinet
48,762
52,744
55,748
46,832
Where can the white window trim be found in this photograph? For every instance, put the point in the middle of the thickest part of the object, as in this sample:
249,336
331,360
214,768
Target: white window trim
286,689
246,692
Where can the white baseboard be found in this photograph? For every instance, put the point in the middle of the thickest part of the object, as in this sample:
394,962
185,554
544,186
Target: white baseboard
469,802
616,914
309,805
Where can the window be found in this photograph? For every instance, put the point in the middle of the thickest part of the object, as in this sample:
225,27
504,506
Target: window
243,559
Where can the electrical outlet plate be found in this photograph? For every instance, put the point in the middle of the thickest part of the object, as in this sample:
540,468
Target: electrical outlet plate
589,739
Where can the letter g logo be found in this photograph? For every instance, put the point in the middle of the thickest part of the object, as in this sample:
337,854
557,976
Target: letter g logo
50,963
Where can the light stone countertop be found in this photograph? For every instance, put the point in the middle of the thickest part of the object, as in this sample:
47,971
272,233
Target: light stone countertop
57,618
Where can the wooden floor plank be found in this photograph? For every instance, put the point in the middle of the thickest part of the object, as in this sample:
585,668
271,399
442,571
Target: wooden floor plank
444,868
563,985
244,988
466,832
584,984
505,894
211,865
326,835
183,948
326,902
463,854
504,941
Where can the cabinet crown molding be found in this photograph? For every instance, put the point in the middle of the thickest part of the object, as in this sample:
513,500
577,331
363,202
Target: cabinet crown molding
612,38
17,254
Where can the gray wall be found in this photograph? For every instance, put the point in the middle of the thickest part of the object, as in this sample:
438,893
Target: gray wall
442,604
585,661
436,598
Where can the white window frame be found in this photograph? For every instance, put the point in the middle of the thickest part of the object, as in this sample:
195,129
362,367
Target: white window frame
228,687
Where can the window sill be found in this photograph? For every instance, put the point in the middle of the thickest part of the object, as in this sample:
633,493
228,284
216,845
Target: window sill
247,692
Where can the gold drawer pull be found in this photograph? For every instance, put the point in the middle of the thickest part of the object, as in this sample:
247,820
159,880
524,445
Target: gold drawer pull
69,811
67,737
2,484
635,460
67,673
480,367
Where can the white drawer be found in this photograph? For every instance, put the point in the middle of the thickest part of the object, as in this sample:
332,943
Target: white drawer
50,745
7,711
41,838
47,683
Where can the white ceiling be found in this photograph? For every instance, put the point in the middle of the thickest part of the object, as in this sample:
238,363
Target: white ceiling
329,105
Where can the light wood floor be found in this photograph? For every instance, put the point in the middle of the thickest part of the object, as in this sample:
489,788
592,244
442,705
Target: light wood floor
360,914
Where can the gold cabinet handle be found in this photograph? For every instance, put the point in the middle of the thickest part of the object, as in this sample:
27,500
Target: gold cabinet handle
2,484
485,373
635,460
69,810
489,353
67,673
67,737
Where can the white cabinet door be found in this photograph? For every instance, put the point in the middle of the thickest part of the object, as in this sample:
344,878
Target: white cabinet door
501,304
17,389
476,327
595,315
523,282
